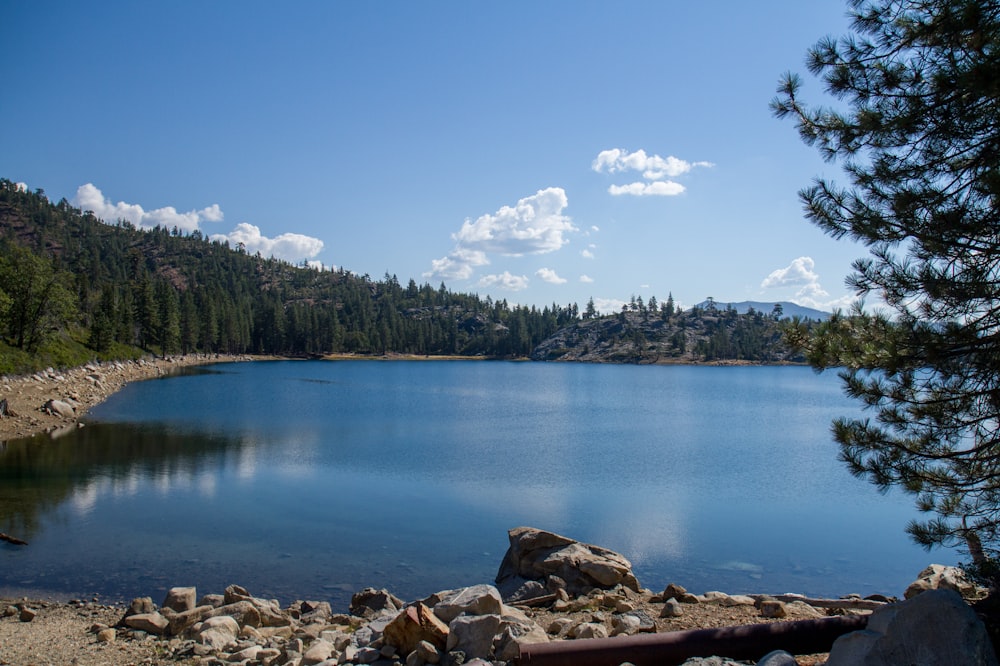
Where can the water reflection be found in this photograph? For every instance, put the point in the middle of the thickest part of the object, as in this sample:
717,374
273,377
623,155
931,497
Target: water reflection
39,475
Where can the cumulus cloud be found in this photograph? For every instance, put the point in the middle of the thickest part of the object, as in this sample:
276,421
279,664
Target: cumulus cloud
550,276
288,246
667,188
459,265
586,279
505,281
802,273
89,197
587,253
534,225
655,171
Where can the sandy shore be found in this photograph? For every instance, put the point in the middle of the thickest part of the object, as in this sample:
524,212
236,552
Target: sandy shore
80,388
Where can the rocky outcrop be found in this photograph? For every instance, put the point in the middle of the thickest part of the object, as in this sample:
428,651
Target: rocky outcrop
941,577
539,563
933,627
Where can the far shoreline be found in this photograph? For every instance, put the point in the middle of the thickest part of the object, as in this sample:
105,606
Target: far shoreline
87,386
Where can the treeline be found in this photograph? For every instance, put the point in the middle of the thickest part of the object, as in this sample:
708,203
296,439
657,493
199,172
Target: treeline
65,273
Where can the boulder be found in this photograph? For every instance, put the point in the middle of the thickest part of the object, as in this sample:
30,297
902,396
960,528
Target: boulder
139,605
180,599
179,622
415,624
672,608
474,600
370,601
426,653
218,632
516,629
318,652
244,613
537,555
473,634
59,408
589,630
151,623
939,576
934,627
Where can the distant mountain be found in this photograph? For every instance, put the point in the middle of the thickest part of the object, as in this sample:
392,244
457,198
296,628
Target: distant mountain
788,310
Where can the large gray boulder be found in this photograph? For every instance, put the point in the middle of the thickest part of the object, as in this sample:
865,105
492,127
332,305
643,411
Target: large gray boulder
933,628
538,560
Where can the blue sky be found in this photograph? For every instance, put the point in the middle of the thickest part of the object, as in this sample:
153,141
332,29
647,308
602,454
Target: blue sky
535,151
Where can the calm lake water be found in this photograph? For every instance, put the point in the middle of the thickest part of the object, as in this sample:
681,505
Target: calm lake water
315,479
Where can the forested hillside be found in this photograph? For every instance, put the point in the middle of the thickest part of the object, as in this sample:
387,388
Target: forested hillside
67,276
74,288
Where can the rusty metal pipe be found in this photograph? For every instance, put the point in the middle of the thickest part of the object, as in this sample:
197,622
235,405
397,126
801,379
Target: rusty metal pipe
751,641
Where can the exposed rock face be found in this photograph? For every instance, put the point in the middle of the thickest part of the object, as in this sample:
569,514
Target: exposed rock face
934,627
538,560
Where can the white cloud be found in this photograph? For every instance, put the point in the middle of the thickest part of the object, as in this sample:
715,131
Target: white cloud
89,197
586,279
505,281
534,225
586,254
660,188
608,305
653,167
802,273
459,265
288,246
550,276
799,272
655,170
21,187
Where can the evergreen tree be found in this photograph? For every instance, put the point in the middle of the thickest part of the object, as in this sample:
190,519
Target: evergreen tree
916,128
36,302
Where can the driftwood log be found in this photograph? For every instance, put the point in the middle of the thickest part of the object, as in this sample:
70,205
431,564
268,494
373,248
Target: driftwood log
14,540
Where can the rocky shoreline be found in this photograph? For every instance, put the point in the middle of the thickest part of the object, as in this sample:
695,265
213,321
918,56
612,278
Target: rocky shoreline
556,601
50,401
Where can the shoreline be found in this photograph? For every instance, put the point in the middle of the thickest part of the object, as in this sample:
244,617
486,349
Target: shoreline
49,402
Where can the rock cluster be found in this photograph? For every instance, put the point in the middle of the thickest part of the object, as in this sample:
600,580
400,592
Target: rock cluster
450,627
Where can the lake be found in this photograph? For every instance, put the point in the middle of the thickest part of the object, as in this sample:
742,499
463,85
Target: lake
315,479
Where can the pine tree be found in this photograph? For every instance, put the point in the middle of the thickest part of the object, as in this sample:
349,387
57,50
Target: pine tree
916,128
